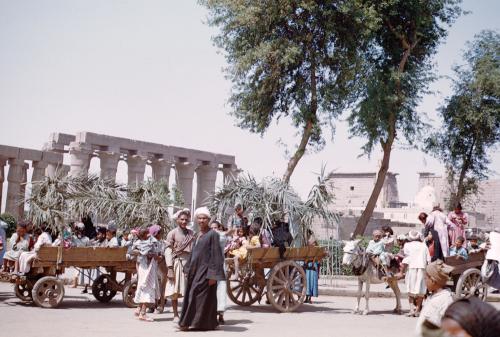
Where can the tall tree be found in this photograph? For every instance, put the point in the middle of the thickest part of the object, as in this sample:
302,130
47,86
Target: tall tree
471,118
288,58
406,37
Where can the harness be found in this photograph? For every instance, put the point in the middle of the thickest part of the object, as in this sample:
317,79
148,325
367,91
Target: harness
363,265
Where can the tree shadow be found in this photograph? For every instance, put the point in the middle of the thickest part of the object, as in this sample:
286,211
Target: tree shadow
231,322
302,308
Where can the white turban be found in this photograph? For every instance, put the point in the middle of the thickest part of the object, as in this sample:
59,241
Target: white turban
80,225
414,235
176,215
202,211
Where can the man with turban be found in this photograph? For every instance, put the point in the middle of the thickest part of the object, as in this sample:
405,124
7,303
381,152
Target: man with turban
204,269
436,276
179,243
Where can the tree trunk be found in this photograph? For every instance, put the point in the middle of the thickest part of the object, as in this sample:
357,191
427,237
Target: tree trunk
308,128
379,183
459,196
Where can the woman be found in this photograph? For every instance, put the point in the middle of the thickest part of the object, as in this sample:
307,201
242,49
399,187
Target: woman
431,238
471,317
312,271
19,243
460,220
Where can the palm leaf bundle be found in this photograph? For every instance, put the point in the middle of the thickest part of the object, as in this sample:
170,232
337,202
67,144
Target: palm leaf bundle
273,199
61,199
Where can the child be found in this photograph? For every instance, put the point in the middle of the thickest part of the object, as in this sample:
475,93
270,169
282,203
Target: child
376,248
458,249
111,239
147,252
100,239
436,277
473,245
416,257
240,254
66,237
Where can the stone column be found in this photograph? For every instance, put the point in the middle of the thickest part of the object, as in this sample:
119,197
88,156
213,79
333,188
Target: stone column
2,179
206,176
22,189
136,168
229,172
14,179
109,164
161,169
185,175
39,168
80,158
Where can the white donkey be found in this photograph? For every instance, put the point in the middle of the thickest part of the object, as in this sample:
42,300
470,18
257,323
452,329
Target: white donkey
354,256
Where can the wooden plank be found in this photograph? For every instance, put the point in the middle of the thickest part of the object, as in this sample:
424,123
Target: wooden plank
83,254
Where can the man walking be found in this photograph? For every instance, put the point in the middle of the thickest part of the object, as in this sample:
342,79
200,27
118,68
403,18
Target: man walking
204,268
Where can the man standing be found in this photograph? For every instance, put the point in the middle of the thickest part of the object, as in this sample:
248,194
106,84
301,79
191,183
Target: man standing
440,222
204,268
179,243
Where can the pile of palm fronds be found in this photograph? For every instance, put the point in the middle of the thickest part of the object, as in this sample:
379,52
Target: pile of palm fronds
274,200
61,199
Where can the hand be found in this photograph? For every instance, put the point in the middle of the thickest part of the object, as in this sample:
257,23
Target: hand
212,282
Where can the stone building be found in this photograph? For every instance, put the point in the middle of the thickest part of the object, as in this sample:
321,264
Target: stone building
191,167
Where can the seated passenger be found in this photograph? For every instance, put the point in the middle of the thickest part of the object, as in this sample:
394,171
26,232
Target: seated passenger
240,254
79,238
65,237
100,239
43,239
19,243
458,249
473,245
376,248
111,239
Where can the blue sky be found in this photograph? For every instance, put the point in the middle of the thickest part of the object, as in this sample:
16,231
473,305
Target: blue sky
148,70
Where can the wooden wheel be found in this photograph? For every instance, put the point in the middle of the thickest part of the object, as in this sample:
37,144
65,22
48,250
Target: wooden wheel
128,293
245,290
470,284
48,292
23,291
286,286
104,288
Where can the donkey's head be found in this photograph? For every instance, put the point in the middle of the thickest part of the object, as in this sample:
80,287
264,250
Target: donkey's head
351,251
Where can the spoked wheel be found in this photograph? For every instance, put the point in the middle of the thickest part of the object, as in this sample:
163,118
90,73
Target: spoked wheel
286,286
23,291
48,292
245,290
128,293
470,284
104,288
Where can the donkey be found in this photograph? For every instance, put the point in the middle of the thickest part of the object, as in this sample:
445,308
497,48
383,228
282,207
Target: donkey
355,256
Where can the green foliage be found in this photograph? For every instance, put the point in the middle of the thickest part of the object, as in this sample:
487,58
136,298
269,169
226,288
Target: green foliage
471,118
402,44
295,59
61,199
11,222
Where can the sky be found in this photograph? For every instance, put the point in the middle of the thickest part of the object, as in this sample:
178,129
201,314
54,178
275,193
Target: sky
148,70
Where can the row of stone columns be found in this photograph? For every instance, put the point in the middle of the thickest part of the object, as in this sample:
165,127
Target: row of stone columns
206,172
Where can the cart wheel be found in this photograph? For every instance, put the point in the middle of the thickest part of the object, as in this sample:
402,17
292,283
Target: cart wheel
128,293
48,292
103,288
470,284
286,286
23,291
245,290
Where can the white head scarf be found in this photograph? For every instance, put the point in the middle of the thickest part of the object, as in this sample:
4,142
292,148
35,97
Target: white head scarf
202,211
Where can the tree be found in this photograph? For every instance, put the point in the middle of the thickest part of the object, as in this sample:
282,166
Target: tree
471,118
296,59
406,37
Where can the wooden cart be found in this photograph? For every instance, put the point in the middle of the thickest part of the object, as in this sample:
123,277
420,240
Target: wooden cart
43,286
284,285
466,276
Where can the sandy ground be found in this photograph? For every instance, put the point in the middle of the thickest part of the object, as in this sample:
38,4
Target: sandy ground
81,315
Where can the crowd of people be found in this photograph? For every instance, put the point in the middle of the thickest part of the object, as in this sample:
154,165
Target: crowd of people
420,262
